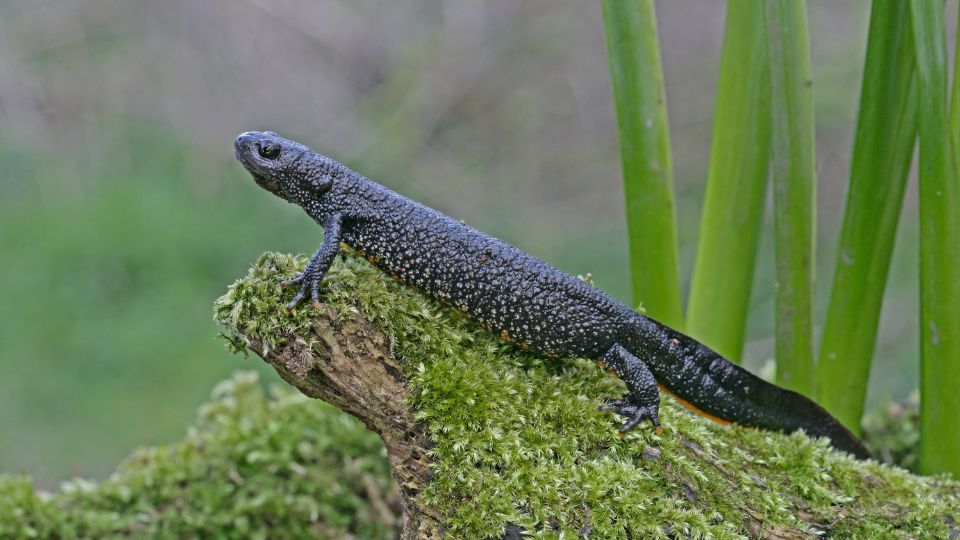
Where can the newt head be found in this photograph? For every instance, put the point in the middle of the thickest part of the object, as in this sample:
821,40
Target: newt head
283,167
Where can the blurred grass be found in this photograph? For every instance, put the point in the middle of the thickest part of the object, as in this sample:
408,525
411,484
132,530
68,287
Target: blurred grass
106,330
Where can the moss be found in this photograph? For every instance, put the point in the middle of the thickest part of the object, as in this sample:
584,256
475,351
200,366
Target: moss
519,439
253,466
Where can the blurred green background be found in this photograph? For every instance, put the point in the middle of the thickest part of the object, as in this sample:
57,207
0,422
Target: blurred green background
123,214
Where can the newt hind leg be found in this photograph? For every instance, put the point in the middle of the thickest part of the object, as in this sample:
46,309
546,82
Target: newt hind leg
642,400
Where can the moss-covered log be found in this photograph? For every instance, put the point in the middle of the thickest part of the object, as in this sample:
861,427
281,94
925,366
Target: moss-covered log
487,440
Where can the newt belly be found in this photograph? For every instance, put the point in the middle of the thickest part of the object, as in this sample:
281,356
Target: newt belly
520,297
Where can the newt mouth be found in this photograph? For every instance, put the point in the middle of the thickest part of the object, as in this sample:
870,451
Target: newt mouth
244,145
245,150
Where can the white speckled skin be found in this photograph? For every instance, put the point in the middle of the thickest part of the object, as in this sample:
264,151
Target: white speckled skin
522,298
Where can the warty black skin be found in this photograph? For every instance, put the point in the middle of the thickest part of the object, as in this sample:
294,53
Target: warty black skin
525,300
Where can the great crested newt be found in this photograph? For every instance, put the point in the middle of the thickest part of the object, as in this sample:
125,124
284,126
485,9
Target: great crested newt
520,297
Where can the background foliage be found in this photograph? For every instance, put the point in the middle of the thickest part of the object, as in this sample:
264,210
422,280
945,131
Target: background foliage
122,214
253,465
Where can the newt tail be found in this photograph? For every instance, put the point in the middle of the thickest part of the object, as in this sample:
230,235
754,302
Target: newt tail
725,392
519,296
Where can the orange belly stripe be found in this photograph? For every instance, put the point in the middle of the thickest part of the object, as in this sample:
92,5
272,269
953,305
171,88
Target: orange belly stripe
694,408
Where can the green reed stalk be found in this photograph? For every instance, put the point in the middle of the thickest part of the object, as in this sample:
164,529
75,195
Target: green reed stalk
736,185
939,248
955,99
882,151
634,54
793,181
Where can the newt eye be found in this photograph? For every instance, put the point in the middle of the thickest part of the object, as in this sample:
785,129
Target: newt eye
268,149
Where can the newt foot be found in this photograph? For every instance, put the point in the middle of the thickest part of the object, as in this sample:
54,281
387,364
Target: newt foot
635,413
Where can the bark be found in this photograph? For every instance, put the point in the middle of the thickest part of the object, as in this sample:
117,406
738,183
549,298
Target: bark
351,366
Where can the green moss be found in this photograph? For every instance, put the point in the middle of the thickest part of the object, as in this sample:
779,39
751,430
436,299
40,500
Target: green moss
252,466
519,439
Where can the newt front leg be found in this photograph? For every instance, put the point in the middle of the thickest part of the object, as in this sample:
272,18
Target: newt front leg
311,276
